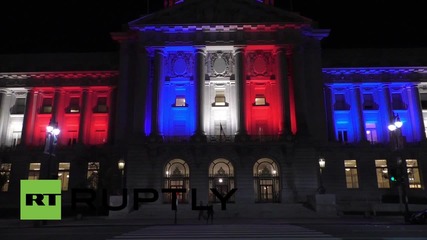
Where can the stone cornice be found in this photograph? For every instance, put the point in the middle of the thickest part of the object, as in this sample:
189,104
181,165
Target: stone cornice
44,79
219,27
375,74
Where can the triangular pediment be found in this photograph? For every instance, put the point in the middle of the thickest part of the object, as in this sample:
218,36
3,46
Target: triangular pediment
220,12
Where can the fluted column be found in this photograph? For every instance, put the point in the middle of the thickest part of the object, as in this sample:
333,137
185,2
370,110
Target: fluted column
386,111
358,113
158,73
239,55
4,114
282,77
85,115
416,110
29,118
200,56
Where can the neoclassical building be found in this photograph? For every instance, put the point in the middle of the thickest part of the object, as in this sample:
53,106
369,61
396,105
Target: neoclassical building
232,101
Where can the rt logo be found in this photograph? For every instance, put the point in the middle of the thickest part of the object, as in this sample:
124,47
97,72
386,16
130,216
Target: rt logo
40,199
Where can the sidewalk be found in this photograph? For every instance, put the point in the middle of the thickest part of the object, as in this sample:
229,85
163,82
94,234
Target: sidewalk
105,221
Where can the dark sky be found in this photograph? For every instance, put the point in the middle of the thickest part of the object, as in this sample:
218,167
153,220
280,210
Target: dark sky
85,26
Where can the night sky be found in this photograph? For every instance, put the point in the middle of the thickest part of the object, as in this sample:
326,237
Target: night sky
79,26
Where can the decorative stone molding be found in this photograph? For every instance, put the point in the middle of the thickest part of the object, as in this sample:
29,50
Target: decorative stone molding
220,64
180,64
261,64
45,79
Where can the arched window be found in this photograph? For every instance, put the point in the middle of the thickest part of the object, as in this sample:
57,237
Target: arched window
221,177
266,181
176,176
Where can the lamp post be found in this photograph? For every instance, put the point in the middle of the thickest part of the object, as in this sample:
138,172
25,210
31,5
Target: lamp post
395,129
322,164
121,166
52,133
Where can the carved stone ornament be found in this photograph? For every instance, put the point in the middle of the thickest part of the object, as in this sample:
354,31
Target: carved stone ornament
260,64
219,64
180,64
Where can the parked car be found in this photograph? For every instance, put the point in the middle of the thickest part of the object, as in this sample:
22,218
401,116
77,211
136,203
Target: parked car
419,217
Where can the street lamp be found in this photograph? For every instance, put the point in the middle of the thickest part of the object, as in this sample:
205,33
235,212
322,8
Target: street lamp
322,164
395,129
52,133
121,166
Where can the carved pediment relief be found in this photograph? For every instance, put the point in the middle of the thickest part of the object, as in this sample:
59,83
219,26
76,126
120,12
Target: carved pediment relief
260,64
179,64
219,64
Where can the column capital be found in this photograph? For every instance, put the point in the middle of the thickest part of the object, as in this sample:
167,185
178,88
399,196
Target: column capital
238,49
200,49
152,51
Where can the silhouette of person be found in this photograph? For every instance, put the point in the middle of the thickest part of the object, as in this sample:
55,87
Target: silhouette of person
210,213
201,210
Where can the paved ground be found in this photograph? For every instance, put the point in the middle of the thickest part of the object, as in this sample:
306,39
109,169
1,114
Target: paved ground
102,228
105,221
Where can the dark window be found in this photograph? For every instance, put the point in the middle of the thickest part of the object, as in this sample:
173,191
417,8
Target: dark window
47,105
397,102
423,98
340,103
74,106
19,107
101,105
368,102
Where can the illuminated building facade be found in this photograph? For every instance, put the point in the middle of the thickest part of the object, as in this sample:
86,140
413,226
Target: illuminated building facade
209,96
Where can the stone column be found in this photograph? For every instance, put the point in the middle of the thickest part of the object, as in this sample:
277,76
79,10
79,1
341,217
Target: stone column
158,76
58,106
416,112
200,56
85,115
358,114
29,118
386,111
4,114
239,54
282,77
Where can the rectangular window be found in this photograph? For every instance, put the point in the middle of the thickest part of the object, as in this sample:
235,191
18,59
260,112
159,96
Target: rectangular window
220,98
64,175
101,105
19,107
74,106
351,177
413,173
260,100
34,171
93,174
423,99
371,132
5,169
342,136
340,103
368,102
180,101
47,105
397,102
382,173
